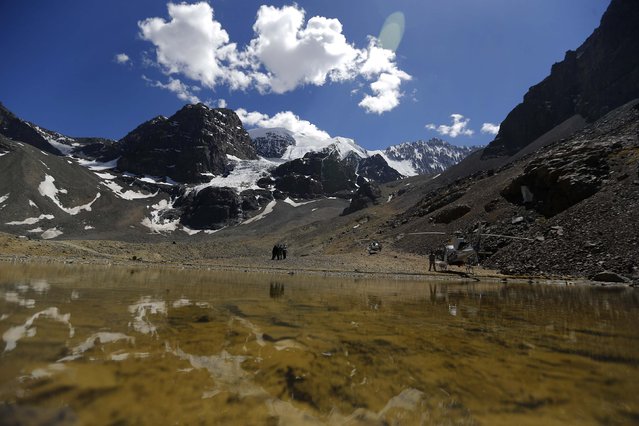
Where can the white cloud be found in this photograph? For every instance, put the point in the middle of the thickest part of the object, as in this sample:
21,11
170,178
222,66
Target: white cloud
490,128
121,58
386,90
192,43
459,127
381,63
221,103
183,91
285,119
287,52
294,54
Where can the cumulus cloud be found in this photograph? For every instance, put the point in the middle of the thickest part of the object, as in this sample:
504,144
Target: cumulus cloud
287,52
121,58
459,127
490,128
285,119
183,91
380,62
294,54
192,43
386,92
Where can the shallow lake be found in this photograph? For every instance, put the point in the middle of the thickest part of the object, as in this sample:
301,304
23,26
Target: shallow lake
106,345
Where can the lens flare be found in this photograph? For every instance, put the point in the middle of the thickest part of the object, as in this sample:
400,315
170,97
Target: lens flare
392,31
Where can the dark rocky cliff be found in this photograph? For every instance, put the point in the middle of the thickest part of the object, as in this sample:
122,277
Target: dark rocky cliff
195,140
601,75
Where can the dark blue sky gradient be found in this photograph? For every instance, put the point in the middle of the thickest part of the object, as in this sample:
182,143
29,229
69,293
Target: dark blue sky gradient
475,58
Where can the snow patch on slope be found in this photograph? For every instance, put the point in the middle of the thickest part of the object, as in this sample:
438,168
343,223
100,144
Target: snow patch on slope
305,143
98,165
404,167
268,209
141,310
62,143
296,204
51,233
126,195
244,176
48,189
31,220
156,223
103,337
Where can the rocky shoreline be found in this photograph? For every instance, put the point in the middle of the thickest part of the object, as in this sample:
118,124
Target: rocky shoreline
387,266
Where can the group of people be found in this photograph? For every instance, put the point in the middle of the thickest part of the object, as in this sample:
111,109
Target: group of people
279,251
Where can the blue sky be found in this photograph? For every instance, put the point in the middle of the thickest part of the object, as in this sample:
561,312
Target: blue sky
474,59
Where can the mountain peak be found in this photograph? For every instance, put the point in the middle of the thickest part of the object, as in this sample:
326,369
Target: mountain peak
427,157
188,146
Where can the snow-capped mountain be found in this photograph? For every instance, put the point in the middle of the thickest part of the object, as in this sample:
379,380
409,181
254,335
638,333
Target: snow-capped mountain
193,142
287,145
426,157
408,158
271,143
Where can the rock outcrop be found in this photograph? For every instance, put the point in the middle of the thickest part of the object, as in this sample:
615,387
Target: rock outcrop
368,193
217,207
563,176
317,173
591,210
377,169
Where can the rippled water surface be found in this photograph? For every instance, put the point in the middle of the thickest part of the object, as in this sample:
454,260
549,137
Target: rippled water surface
137,346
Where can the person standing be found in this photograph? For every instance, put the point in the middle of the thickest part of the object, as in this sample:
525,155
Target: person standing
431,261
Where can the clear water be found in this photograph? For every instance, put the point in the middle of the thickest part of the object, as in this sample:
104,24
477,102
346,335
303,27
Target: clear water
138,346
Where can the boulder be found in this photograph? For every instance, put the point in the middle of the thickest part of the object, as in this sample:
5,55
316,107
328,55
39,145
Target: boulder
450,214
610,277
561,178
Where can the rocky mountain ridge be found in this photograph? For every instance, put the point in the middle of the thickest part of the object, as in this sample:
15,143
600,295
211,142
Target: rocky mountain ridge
201,170
601,75
429,157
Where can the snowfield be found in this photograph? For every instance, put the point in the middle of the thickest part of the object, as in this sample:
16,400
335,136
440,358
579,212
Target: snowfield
244,176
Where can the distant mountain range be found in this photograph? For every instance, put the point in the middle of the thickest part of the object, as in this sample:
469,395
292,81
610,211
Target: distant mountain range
408,158
427,157
200,167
